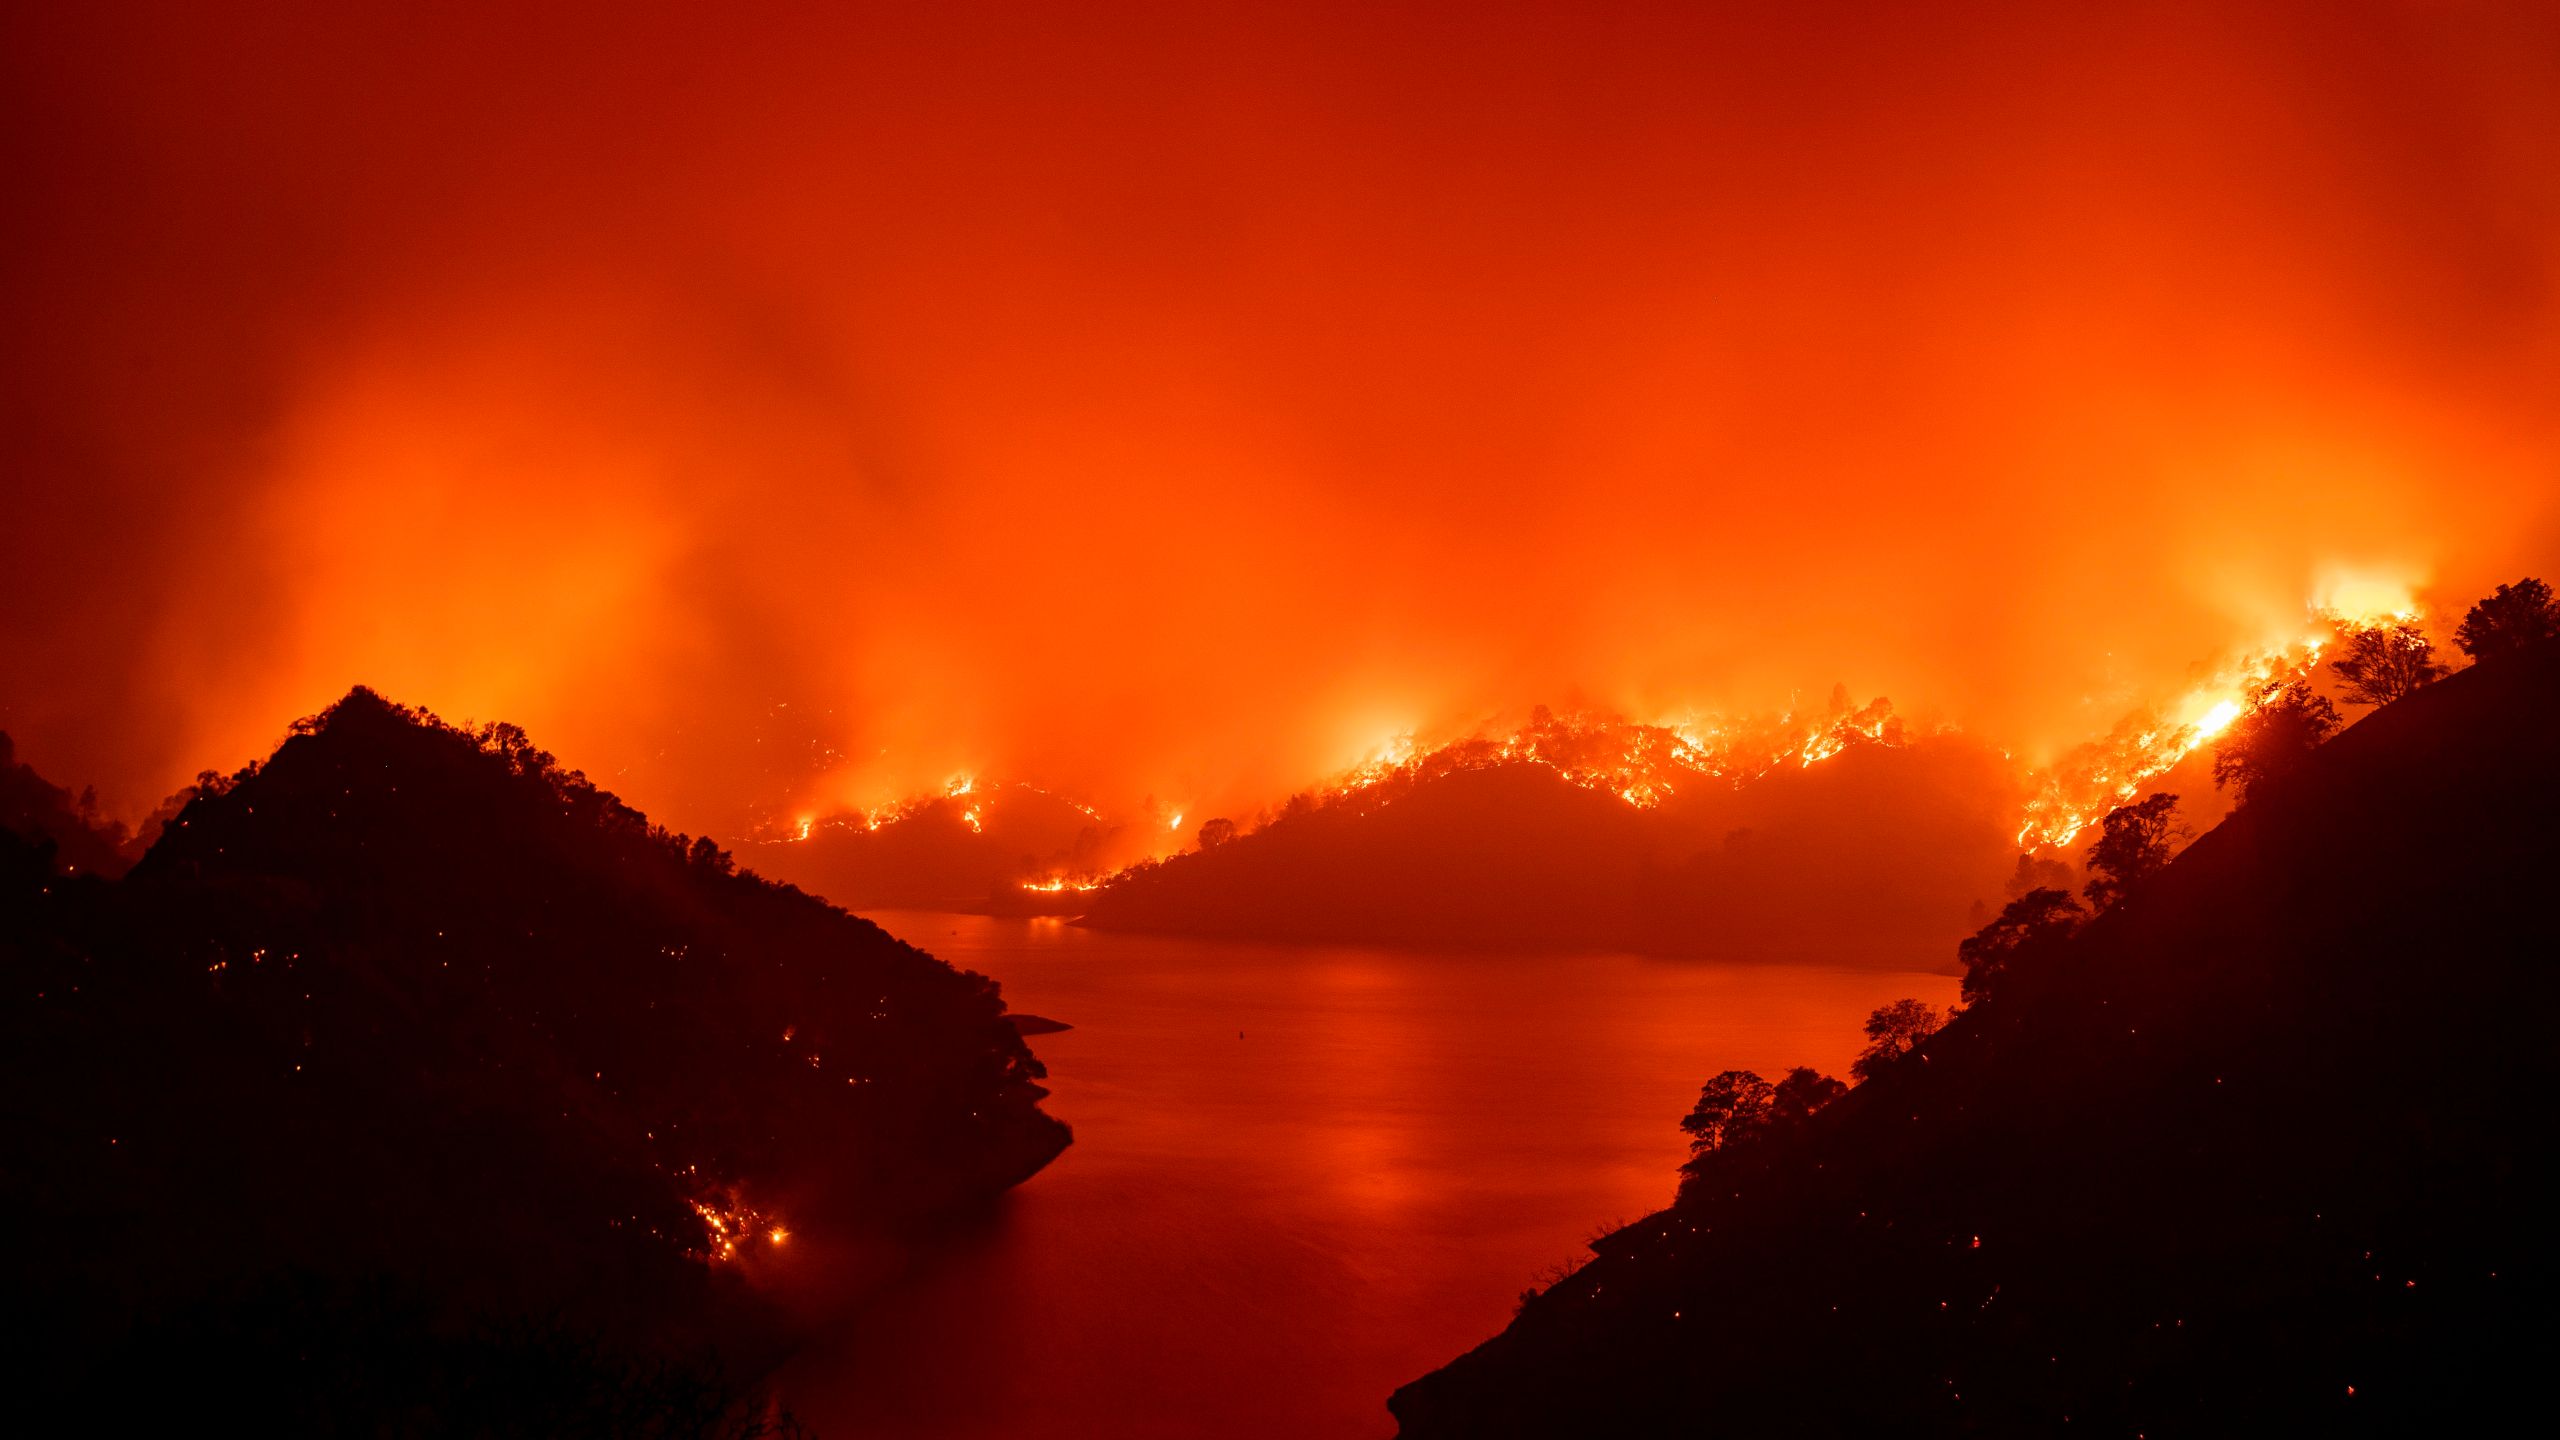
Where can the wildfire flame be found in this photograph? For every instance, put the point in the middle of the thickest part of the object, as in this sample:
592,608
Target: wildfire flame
731,1227
1641,764
2077,791
2364,599
973,793
2218,719
1645,764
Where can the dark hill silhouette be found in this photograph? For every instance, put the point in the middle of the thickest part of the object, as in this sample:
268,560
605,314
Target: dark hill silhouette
1865,855
408,1070
969,852
2266,1148
39,812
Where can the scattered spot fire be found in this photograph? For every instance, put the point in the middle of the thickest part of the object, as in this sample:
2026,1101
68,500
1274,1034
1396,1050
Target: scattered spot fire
733,1229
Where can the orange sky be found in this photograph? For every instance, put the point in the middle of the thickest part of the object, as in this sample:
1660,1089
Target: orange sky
1180,399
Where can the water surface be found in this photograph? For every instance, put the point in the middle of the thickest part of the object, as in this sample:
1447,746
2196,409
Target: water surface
1302,1175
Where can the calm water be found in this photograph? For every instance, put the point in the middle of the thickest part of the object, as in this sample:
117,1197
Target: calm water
1301,1176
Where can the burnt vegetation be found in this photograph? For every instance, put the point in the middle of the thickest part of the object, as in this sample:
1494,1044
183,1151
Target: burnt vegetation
2257,1140
411,1083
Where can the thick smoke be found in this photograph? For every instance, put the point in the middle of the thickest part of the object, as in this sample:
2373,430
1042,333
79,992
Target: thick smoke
1177,401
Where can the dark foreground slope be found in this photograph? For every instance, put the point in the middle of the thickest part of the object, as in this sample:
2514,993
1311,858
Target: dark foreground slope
1868,854
411,1083
2267,1149
35,810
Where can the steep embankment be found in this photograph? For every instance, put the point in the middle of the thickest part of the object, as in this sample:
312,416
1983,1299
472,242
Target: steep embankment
1872,853
407,1046
2266,1149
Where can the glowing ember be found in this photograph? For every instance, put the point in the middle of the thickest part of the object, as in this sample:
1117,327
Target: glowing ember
731,1227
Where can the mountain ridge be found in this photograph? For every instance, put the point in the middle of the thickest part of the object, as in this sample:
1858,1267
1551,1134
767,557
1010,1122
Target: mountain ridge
1873,854
2262,1145
408,1031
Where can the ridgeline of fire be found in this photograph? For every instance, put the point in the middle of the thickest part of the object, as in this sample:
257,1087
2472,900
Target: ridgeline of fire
409,1083
2262,1146
1835,831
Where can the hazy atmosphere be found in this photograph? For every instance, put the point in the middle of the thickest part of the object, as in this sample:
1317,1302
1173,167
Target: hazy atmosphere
786,415
1155,721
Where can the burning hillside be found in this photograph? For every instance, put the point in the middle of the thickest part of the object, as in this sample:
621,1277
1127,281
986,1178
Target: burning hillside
975,844
1643,765
1683,787
1612,837
1685,790
1646,764
2261,1147
2080,787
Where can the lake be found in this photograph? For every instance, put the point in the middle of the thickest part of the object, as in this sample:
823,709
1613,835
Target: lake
1302,1175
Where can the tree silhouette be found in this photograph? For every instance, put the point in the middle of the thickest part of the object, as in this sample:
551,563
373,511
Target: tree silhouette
2134,842
708,856
2032,924
2387,663
1804,1091
2274,738
1214,833
1892,1032
1739,1111
2514,617
1730,1107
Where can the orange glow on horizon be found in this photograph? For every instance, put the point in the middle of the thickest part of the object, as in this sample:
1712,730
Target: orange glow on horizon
884,403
